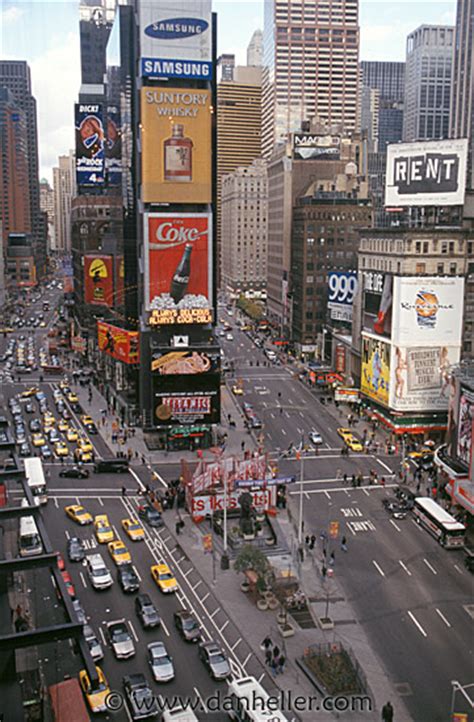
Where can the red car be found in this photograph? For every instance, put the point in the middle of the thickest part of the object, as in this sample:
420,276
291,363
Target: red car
61,564
69,585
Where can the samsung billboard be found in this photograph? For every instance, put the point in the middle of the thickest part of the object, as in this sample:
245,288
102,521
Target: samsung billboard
427,173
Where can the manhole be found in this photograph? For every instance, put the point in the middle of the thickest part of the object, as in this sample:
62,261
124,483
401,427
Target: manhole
403,689
469,609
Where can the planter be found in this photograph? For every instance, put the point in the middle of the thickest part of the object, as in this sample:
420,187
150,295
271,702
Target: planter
244,586
260,518
262,604
273,603
269,541
286,630
325,623
281,618
248,537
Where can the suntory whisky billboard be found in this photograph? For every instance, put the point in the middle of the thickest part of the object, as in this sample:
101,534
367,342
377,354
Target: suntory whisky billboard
176,145
178,267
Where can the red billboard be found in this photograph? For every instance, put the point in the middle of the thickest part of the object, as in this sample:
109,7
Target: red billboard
178,267
98,280
122,345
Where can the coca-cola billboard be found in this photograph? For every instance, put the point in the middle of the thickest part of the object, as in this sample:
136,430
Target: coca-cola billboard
178,267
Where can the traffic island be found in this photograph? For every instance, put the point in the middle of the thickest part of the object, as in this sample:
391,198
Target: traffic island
333,670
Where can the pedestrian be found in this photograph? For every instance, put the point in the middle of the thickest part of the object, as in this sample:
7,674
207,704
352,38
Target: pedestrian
276,651
324,571
345,478
177,526
268,657
344,544
307,540
353,480
301,553
281,663
242,446
274,666
124,491
312,541
387,712
266,643
382,481
331,559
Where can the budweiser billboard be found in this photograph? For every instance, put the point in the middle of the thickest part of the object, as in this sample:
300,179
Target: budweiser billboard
118,343
178,267
98,280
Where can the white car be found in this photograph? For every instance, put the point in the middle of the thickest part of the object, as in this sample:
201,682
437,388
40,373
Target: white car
315,438
229,337
160,662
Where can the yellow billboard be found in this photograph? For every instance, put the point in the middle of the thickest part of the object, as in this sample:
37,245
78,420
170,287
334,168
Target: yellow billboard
176,145
375,373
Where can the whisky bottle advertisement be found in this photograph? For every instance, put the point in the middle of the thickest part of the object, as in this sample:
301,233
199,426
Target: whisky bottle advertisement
178,156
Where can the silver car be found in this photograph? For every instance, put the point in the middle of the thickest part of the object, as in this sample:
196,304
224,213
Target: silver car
215,660
120,639
95,647
160,662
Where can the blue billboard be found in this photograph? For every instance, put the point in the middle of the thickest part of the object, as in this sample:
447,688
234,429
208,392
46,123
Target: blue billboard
113,146
342,290
90,144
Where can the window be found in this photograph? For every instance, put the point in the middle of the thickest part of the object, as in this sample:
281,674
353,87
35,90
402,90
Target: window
452,268
418,247
420,268
444,247
426,247
440,270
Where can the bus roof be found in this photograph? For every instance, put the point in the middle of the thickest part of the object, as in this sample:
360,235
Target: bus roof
34,472
439,514
248,688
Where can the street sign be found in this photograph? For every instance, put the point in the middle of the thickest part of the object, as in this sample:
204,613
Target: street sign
248,483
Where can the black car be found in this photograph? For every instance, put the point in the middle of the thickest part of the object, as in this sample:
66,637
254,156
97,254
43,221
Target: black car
187,625
152,517
127,578
35,425
394,507
74,472
91,428
77,408
146,611
76,550
25,449
425,462
141,700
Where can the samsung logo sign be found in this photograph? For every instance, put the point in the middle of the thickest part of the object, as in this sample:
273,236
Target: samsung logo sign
176,28
169,68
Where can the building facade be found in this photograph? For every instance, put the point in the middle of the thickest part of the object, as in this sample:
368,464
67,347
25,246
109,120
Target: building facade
47,206
462,93
310,67
244,228
64,190
255,49
95,24
15,207
428,81
385,76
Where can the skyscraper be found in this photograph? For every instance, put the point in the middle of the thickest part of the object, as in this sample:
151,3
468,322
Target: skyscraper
462,93
96,19
15,206
64,185
255,49
47,206
428,83
386,77
311,66
15,75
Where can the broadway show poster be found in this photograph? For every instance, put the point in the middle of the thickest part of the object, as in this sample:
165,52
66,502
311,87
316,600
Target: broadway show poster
377,303
113,147
98,280
465,419
90,144
375,380
420,377
119,343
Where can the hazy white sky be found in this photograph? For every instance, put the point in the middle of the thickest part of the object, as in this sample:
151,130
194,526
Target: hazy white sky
46,34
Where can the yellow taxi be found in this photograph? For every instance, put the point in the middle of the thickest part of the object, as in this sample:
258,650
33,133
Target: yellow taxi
38,440
164,578
96,695
29,392
87,420
42,324
237,390
424,451
60,449
72,398
133,529
343,433
71,434
103,531
83,457
85,446
78,514
7,329
119,553
63,385
353,443
63,425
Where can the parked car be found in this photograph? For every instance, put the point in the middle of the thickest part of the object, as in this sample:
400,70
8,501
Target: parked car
95,647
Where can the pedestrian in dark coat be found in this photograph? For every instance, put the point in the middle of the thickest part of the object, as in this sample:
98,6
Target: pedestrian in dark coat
276,651
312,541
267,643
281,663
387,712
344,544
268,657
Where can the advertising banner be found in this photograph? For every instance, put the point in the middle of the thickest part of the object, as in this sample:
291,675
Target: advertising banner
420,377
309,146
428,311
349,396
465,422
186,399
176,39
375,374
342,289
119,343
426,173
263,499
340,354
377,303
113,146
90,144
178,267
191,361
98,280
176,145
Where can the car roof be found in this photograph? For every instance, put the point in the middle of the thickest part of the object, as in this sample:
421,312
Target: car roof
157,646
144,599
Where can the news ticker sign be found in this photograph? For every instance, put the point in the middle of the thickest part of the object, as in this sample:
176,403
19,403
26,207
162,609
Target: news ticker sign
431,173
249,483
262,499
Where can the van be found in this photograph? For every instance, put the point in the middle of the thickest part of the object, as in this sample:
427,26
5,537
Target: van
99,575
111,465
179,714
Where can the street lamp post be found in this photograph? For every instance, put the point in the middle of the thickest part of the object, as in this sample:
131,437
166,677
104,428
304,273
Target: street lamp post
300,517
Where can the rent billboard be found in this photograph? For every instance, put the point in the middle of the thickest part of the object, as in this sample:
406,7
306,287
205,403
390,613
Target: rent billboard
310,146
420,377
178,267
426,173
90,144
176,145
375,371
377,303
465,425
428,311
186,399
98,280
190,361
118,343
176,39
342,289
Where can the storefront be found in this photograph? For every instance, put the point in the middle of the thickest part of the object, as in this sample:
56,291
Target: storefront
187,438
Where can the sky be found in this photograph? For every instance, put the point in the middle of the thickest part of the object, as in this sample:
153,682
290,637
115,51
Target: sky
46,34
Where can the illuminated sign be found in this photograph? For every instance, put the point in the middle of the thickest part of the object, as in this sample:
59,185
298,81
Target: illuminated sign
183,315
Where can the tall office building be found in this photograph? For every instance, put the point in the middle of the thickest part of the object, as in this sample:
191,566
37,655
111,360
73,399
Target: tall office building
15,75
225,67
386,77
255,49
15,206
428,83
47,206
64,185
238,129
462,93
311,66
369,115
95,24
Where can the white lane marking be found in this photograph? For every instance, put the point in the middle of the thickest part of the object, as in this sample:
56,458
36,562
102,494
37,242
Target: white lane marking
340,488
442,617
84,583
224,625
458,569
99,499
216,610
138,574
351,530
204,597
390,471
301,414
68,536
395,525
237,642
378,568
272,414
247,659
185,574
307,496
56,503
429,566
197,583
300,431
404,567
135,635
137,479
366,492
261,677
283,432
416,622
200,698
165,628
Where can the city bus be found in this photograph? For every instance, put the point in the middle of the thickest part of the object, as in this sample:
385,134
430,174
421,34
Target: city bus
36,481
29,541
179,714
445,528
249,702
